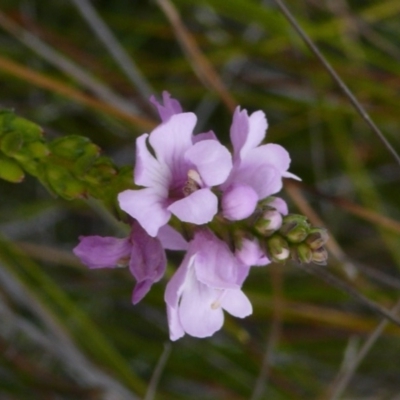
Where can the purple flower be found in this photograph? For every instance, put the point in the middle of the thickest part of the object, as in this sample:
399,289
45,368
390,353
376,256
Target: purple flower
143,254
207,282
194,177
178,178
257,169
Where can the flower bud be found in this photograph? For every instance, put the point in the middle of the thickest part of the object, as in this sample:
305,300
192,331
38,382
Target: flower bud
36,150
10,123
63,183
101,171
319,256
302,253
10,170
11,143
274,202
269,222
317,237
72,147
278,248
295,228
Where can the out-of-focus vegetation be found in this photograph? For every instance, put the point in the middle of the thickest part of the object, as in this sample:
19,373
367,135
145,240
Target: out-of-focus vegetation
70,333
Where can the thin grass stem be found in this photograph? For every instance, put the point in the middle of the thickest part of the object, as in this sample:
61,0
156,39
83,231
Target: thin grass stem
260,386
121,57
158,370
332,280
200,64
34,78
64,64
357,105
340,383
57,339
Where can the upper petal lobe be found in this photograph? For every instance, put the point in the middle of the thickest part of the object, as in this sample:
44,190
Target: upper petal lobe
171,139
212,160
149,171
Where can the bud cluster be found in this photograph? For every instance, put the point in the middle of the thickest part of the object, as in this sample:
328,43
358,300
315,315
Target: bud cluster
292,237
70,166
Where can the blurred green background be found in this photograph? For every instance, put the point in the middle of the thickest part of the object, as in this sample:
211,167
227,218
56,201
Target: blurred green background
70,333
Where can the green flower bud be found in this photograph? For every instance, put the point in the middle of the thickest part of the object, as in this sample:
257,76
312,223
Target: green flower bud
319,256
29,165
295,228
36,149
317,237
278,248
265,203
269,222
102,171
63,182
9,122
11,143
302,253
72,147
10,170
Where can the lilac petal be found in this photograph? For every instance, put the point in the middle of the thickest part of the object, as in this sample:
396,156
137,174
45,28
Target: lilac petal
148,261
256,133
148,171
239,202
272,154
197,208
176,284
258,126
236,303
170,141
170,107
197,314
247,132
280,205
262,169
212,160
103,252
140,290
251,254
172,295
174,324
263,178
290,175
171,239
214,263
239,130
147,207
210,135
243,273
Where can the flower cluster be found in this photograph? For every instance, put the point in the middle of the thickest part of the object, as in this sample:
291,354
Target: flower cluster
197,197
